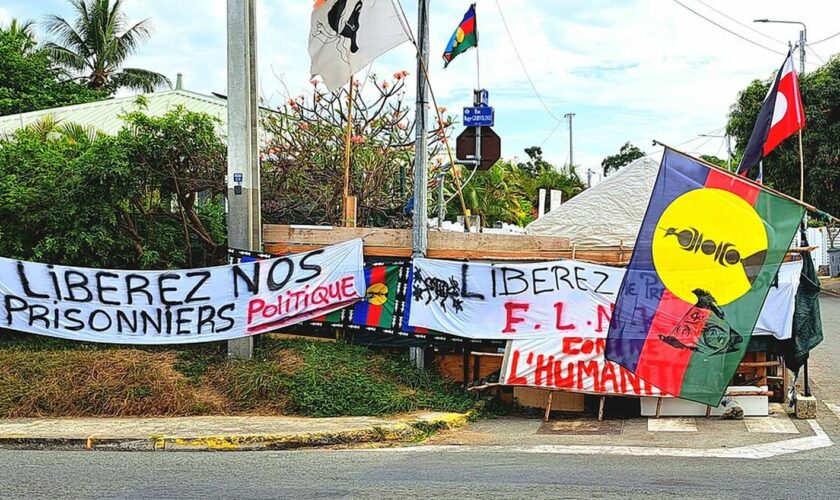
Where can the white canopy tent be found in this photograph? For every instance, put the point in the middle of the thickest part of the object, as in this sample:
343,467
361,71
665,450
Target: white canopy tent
608,213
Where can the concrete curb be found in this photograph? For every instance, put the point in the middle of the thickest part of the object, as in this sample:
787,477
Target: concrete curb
398,431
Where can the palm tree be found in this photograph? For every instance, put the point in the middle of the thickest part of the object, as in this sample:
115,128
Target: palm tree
25,31
97,43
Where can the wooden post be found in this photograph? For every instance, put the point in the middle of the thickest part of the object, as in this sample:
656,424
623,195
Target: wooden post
801,169
601,408
548,406
349,212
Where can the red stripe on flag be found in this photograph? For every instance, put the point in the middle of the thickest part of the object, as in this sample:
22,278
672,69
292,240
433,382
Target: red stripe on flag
659,363
728,182
468,26
377,275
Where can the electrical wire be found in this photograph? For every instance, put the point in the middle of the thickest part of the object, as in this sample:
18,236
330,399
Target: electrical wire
724,28
742,24
808,46
551,133
522,64
825,39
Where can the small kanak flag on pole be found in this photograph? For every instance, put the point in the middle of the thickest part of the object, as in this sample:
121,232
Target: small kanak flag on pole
347,35
781,116
464,37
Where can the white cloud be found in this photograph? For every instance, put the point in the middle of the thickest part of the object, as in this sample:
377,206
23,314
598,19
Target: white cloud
4,16
632,70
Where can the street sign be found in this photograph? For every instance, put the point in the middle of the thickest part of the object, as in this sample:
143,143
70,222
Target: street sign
479,116
481,98
491,146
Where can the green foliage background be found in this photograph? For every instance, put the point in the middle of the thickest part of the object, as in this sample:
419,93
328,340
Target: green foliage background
821,138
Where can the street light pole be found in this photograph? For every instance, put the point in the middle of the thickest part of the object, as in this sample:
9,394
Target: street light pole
803,38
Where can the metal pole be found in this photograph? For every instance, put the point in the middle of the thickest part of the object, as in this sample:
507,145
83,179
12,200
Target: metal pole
441,201
728,153
571,142
420,233
244,228
802,41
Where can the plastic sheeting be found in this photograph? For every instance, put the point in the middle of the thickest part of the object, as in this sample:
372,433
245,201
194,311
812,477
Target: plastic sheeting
608,213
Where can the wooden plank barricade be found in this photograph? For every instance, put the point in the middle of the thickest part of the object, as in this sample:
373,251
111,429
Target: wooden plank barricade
282,239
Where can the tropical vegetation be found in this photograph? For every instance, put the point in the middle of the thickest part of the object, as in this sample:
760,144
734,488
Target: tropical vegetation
820,139
93,47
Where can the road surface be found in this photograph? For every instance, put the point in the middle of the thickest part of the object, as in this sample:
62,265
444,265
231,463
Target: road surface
418,473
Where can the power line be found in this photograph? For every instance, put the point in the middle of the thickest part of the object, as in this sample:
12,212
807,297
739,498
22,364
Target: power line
808,46
522,64
551,133
742,24
825,39
724,28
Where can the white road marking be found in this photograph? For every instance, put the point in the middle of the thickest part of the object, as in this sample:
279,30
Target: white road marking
775,424
834,408
672,424
753,452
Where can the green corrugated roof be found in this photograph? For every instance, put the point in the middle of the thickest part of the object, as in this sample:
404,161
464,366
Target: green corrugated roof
105,115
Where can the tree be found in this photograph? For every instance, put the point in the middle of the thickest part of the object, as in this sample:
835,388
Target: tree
821,138
125,202
303,162
626,155
27,80
24,32
535,163
94,47
509,192
714,160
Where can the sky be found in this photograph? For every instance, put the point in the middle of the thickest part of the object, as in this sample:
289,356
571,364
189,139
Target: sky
629,70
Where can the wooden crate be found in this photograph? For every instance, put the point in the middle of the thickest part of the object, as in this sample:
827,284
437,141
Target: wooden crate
538,398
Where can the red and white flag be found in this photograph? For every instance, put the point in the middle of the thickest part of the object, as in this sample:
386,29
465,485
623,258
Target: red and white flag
781,116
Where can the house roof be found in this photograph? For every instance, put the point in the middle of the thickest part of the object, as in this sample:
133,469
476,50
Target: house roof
105,115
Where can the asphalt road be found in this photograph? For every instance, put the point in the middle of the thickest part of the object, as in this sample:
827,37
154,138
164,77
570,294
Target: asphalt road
321,474
418,473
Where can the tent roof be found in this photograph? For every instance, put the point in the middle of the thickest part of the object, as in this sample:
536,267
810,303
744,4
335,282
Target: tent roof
608,213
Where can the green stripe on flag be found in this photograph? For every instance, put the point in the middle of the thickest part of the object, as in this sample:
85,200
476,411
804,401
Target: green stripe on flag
708,375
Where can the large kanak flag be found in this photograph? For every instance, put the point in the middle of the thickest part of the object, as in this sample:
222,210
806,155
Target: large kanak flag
347,35
781,116
709,249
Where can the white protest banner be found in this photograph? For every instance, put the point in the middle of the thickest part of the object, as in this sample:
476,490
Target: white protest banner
513,301
570,363
172,307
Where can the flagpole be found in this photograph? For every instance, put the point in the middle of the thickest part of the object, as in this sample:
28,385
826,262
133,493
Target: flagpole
349,215
801,169
764,187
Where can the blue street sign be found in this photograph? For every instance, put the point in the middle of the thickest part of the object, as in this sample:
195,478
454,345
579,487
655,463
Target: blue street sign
479,116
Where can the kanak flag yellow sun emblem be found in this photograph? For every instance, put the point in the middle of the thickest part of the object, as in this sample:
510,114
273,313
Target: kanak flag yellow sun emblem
709,239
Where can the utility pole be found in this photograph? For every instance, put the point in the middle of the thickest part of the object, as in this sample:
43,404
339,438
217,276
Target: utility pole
243,168
419,241
803,38
571,142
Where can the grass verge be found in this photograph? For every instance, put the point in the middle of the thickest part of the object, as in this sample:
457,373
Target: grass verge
53,378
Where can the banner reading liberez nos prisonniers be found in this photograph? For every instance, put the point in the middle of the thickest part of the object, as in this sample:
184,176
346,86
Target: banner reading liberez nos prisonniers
171,307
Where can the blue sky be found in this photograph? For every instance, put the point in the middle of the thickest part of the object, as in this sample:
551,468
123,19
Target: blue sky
629,69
